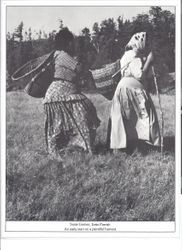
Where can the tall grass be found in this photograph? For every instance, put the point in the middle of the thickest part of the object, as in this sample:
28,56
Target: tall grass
104,186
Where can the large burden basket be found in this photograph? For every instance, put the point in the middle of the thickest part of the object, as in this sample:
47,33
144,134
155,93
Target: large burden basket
104,80
36,75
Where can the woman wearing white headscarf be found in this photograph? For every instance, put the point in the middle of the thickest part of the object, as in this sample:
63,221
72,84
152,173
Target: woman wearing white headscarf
133,115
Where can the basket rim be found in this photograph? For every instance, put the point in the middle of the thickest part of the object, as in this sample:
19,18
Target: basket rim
32,71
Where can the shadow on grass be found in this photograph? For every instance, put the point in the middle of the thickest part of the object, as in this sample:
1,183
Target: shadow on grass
145,148
101,148
169,144
141,146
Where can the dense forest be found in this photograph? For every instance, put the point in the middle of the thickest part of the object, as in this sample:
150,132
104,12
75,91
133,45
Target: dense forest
104,44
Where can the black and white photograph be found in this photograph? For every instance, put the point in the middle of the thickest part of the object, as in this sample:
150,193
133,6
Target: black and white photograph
90,116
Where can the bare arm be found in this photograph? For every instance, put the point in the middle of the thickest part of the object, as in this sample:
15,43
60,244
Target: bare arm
86,79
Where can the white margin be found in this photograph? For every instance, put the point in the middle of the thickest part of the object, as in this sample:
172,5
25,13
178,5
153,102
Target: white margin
31,232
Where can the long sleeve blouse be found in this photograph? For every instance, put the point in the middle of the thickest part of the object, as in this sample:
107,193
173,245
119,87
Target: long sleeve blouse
131,65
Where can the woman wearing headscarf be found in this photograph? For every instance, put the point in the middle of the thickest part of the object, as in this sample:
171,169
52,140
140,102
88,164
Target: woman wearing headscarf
133,115
71,118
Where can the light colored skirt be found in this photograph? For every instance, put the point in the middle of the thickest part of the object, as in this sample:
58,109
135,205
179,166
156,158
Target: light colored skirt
133,115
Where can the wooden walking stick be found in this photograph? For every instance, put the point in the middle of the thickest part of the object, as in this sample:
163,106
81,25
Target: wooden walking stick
160,106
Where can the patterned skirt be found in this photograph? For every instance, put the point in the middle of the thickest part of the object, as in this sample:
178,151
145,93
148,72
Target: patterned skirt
70,123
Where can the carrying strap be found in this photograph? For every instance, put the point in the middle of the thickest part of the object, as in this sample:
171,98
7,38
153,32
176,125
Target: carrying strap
121,69
46,66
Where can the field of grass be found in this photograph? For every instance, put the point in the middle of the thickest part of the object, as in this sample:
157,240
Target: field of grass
104,186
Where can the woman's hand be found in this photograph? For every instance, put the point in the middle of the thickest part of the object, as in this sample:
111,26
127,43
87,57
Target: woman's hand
150,57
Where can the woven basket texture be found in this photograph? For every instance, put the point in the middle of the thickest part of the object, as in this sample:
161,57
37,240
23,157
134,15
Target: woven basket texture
104,80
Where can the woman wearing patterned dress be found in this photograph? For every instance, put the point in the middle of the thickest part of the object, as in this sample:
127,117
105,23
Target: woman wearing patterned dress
133,115
71,118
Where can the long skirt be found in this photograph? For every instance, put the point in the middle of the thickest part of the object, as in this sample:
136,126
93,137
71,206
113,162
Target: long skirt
133,115
70,123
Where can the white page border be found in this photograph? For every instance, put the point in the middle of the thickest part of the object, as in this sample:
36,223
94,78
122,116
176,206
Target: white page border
168,231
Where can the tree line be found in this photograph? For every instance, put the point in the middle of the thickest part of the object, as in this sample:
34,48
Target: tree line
104,44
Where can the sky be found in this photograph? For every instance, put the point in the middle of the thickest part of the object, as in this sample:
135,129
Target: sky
75,18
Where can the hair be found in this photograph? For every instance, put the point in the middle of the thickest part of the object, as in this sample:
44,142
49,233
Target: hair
62,39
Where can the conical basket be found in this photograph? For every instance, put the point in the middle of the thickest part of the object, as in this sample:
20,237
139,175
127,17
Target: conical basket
36,75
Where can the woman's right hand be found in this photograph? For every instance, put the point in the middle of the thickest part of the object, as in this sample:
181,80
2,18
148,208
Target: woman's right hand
150,57
149,61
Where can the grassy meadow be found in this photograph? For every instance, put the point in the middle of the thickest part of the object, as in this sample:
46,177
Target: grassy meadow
102,187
